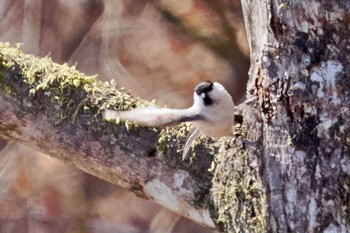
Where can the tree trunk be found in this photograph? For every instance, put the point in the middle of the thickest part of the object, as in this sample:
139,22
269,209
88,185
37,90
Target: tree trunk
296,179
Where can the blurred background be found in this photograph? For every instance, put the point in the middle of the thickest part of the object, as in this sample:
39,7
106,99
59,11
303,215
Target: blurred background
157,49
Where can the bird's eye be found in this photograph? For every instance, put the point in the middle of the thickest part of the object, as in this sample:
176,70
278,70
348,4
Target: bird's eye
206,99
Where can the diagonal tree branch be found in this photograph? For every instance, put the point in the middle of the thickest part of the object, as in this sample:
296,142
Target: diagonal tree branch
57,110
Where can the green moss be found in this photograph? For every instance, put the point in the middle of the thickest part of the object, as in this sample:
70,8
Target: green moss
67,96
4,85
60,90
240,203
169,137
7,130
9,127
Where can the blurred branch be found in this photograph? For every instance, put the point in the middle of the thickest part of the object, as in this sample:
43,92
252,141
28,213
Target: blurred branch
56,110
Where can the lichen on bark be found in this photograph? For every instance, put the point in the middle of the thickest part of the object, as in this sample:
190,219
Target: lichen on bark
239,193
68,93
299,73
62,106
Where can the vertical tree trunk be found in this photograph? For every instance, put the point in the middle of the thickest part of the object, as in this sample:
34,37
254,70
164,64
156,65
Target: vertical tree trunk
289,170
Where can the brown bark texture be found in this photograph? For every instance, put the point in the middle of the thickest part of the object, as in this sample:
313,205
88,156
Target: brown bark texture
57,110
287,167
300,74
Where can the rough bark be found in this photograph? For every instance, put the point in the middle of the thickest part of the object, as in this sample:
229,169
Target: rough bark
298,180
57,110
287,167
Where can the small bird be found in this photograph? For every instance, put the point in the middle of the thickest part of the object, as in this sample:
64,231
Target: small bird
212,114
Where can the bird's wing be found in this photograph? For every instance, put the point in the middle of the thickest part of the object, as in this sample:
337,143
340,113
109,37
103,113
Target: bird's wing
192,135
153,116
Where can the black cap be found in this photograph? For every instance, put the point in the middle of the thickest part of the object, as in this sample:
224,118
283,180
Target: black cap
204,87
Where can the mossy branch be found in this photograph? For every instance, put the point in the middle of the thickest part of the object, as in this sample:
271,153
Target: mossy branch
57,110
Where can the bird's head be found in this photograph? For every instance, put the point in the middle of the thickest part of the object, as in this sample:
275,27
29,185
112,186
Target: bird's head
208,93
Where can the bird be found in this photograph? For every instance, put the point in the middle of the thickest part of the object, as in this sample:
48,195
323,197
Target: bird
212,114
